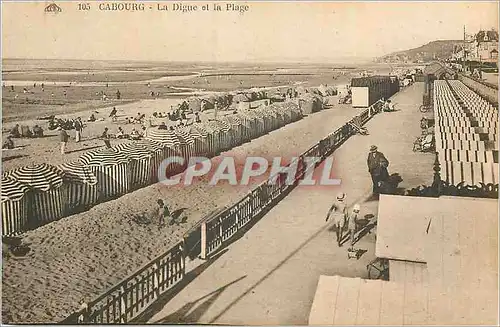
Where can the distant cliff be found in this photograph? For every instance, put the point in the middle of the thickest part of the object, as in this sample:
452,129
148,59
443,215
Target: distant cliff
430,51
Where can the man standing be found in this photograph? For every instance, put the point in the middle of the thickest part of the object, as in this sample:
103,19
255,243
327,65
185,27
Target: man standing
377,167
105,138
339,209
63,138
78,129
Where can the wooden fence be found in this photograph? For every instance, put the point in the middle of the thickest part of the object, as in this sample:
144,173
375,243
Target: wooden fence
129,298
132,296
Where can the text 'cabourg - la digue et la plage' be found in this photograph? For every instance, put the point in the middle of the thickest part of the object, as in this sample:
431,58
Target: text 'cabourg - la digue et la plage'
178,7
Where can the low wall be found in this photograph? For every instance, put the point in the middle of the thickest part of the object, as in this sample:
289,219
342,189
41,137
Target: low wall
487,92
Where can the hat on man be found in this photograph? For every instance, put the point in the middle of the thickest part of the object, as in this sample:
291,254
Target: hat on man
340,196
373,148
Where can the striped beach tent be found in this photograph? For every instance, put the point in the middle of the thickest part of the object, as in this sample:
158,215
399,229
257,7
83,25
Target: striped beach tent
257,123
82,191
47,192
140,163
262,114
171,141
214,145
226,136
200,138
216,130
112,170
187,143
280,116
285,113
15,202
246,126
158,153
236,129
164,136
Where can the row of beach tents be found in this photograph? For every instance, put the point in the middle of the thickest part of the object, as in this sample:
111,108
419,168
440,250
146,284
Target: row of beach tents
280,94
34,195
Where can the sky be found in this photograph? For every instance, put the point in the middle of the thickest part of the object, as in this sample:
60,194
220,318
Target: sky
272,31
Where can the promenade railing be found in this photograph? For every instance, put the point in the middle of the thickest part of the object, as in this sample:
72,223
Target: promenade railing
132,296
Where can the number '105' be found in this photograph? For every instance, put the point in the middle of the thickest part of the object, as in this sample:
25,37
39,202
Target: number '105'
84,6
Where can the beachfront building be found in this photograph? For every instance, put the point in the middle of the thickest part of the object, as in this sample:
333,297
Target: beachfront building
477,50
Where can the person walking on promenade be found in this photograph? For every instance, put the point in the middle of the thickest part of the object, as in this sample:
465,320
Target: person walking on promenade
377,167
352,224
63,138
339,209
105,138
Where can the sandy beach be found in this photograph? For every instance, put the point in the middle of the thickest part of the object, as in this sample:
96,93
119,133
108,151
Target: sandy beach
81,256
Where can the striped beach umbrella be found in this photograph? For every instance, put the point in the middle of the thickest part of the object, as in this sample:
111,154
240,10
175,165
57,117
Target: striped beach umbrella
14,206
140,165
82,191
112,170
166,137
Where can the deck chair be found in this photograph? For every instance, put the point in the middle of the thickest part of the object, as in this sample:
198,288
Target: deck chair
356,125
424,143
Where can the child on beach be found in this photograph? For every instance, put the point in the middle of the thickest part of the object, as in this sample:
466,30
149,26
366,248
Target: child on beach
339,209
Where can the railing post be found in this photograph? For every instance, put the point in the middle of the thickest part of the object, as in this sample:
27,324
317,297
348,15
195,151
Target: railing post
156,280
123,304
203,254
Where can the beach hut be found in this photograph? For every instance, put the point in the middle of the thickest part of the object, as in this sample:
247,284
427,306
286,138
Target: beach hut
47,191
112,170
172,144
246,126
257,122
310,103
15,203
280,116
200,138
266,118
214,144
140,163
236,131
187,143
224,133
82,190
275,117
158,154
285,114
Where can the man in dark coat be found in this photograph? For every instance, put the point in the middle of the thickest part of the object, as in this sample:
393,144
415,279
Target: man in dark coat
377,166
